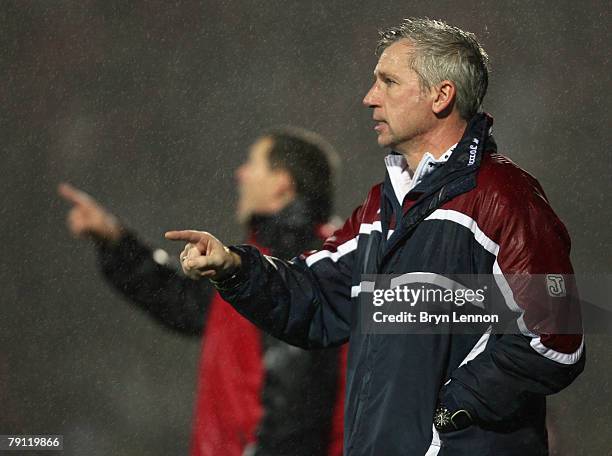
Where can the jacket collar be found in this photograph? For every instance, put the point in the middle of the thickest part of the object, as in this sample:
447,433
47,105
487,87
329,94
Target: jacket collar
444,182
464,159
403,179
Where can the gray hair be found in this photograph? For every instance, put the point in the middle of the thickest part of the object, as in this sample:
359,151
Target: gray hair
441,52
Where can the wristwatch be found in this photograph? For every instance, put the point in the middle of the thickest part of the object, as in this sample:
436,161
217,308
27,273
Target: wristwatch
446,420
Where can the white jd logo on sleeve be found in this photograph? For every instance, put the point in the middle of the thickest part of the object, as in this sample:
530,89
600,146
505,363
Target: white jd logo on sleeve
555,285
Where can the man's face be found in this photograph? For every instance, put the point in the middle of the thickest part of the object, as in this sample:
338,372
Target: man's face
401,109
261,189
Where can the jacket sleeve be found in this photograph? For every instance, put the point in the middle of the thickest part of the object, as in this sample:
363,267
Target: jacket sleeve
299,397
306,301
546,351
173,299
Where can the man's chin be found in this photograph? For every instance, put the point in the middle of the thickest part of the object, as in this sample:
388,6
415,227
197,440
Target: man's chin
384,141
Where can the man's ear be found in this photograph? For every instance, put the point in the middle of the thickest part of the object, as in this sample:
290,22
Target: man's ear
445,94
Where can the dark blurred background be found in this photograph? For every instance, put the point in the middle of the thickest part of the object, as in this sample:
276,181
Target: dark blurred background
150,106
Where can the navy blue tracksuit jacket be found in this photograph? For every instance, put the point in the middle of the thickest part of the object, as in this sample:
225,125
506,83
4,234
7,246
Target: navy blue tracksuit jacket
476,214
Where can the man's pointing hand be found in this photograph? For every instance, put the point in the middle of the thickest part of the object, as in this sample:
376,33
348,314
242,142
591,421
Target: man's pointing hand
205,256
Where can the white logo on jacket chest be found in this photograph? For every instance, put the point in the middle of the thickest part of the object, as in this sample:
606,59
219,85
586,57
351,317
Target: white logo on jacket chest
473,149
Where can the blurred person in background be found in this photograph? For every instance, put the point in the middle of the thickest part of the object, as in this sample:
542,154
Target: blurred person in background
256,395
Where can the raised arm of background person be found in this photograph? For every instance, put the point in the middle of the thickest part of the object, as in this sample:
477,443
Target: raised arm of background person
305,302
546,353
145,277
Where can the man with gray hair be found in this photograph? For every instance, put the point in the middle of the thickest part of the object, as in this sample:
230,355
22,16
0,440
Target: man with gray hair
450,209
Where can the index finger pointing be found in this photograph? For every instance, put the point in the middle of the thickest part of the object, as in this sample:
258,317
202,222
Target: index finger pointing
72,194
185,235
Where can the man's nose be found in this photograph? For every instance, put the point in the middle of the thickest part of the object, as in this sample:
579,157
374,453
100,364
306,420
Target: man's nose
371,98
